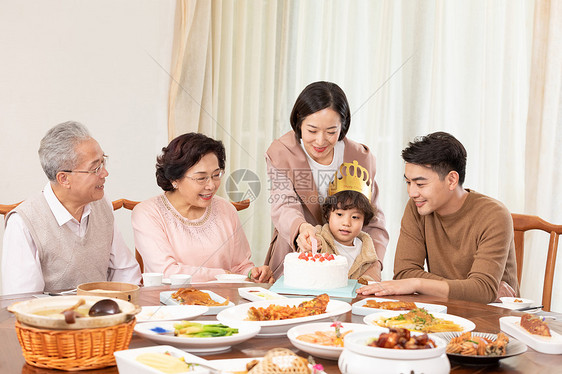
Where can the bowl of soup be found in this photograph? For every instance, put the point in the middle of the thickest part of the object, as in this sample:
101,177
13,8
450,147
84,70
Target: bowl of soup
47,312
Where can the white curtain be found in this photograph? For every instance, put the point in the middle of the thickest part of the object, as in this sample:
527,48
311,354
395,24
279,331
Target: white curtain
408,68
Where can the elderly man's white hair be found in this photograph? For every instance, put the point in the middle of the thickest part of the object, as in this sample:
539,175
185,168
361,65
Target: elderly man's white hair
58,147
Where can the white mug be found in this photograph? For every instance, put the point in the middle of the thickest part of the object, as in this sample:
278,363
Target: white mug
152,279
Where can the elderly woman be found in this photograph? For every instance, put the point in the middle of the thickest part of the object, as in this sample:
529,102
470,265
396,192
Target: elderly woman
302,163
188,229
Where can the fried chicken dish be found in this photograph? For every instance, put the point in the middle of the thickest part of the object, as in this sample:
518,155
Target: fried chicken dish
277,312
390,305
191,296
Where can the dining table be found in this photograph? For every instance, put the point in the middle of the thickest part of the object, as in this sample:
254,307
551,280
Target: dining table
485,317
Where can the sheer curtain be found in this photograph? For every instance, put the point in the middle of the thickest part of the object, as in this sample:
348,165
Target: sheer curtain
408,68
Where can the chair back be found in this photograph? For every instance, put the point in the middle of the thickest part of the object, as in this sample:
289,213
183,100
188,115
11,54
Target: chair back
523,223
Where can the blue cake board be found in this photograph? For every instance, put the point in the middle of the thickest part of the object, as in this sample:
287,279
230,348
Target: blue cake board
346,292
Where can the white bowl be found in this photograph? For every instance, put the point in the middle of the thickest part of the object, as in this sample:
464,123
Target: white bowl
231,277
319,350
516,302
357,356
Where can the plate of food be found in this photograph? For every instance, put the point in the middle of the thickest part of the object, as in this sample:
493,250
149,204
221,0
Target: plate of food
231,278
420,320
197,336
73,312
375,304
192,296
258,294
479,348
158,359
323,339
170,312
278,360
276,317
534,331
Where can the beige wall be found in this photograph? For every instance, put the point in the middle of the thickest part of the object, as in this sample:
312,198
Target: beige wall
103,63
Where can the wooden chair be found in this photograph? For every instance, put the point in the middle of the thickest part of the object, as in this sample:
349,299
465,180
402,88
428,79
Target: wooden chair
523,223
5,209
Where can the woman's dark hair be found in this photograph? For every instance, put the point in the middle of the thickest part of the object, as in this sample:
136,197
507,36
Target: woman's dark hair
441,151
348,200
317,96
182,153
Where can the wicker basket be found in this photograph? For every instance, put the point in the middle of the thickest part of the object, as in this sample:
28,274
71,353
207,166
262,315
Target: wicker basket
73,350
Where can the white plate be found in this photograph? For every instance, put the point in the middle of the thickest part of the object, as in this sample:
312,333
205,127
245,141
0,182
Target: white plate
466,324
514,348
358,342
318,350
359,308
258,294
166,299
234,365
170,312
127,363
511,303
231,278
544,344
166,281
219,343
239,313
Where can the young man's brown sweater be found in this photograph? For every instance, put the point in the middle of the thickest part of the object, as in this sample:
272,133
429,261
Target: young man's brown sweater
471,249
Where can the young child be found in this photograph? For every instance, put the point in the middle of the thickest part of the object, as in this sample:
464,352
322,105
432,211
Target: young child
346,212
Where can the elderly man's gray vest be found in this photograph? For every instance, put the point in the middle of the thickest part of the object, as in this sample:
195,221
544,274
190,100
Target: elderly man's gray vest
68,260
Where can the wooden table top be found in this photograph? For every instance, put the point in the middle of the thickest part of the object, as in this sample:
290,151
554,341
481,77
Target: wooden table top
485,317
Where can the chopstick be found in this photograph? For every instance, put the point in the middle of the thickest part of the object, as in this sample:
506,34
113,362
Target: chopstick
528,308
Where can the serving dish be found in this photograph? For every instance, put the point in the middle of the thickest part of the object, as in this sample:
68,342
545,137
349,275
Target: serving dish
118,290
357,356
543,344
127,363
464,323
200,345
170,312
166,299
514,348
25,312
516,302
319,350
239,313
258,294
359,307
231,278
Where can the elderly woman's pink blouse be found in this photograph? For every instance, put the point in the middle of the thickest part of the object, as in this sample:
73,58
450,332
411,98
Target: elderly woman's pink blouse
203,248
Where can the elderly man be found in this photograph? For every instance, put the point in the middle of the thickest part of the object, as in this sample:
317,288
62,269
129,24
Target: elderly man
465,238
66,235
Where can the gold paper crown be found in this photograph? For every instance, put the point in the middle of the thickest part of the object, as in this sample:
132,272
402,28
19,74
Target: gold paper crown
354,177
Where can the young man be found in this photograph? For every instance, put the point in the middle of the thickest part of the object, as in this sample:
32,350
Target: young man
465,238
66,235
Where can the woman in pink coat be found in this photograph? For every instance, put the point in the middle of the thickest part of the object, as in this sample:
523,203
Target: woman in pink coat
302,163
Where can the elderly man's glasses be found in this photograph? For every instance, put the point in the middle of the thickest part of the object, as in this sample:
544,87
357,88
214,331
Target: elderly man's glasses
96,171
203,180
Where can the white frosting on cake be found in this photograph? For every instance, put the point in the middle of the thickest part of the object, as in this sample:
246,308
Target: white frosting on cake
315,275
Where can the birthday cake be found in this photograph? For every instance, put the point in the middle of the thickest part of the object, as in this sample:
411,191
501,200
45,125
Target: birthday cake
320,271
